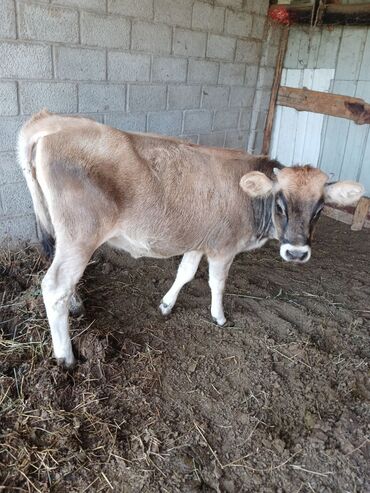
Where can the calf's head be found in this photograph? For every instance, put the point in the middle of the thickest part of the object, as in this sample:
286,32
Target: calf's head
299,194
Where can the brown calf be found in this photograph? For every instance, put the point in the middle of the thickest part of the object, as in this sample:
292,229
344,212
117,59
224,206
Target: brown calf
159,197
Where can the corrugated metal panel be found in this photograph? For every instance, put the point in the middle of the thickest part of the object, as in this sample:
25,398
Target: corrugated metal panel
335,60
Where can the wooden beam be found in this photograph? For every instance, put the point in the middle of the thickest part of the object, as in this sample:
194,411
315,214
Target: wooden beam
274,91
326,103
360,214
353,14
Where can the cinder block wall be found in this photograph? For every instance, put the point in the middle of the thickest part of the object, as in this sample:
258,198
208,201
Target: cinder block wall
198,69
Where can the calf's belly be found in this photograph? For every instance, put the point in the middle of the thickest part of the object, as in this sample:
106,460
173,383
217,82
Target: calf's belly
146,247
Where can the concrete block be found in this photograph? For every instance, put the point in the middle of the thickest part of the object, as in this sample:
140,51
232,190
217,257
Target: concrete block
147,98
232,74
99,5
154,38
93,116
208,18
129,122
269,55
261,120
198,121
221,47
215,97
10,171
258,26
225,119
169,69
262,99
190,138
9,128
183,97
7,16
266,77
101,98
60,97
215,139
47,23
248,51
132,8
16,199
238,23
245,119
105,31
241,96
275,31
258,6
128,67
258,142
18,229
251,74
79,63
189,43
20,61
173,12
235,4
236,139
166,122
8,99
203,71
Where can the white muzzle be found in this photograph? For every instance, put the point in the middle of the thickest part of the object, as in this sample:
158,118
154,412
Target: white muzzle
293,253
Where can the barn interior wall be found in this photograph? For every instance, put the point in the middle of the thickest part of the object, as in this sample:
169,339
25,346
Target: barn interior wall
198,69
331,59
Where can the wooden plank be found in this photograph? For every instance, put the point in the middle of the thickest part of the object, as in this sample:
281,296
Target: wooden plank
292,49
360,214
274,91
341,215
350,54
364,175
312,139
356,141
288,125
329,47
354,109
365,66
335,135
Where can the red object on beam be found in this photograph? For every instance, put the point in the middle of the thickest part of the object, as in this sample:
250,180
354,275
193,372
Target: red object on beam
281,15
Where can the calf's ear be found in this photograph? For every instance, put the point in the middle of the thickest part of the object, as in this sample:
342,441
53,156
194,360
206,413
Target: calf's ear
256,184
343,192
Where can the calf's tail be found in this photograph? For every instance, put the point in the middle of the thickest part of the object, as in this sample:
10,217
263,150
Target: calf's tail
29,135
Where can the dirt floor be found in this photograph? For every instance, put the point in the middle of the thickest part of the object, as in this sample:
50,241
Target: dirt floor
277,403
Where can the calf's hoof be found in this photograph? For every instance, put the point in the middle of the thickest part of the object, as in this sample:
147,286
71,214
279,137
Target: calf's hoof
67,362
223,322
165,309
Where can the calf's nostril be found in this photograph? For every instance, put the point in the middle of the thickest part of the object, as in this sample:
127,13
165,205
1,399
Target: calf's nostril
296,255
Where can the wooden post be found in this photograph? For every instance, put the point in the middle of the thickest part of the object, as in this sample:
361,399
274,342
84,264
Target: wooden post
274,91
360,214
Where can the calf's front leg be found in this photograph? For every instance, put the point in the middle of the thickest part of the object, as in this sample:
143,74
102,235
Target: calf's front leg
185,273
218,272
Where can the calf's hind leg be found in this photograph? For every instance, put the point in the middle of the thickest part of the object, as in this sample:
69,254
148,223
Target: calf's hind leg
185,273
58,287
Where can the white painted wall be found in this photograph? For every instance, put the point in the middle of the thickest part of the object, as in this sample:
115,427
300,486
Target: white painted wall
338,61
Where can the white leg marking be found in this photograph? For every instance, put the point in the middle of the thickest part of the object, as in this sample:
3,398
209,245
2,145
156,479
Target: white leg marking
218,272
57,288
185,273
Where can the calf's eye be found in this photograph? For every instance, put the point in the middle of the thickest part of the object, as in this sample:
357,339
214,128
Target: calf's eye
279,209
